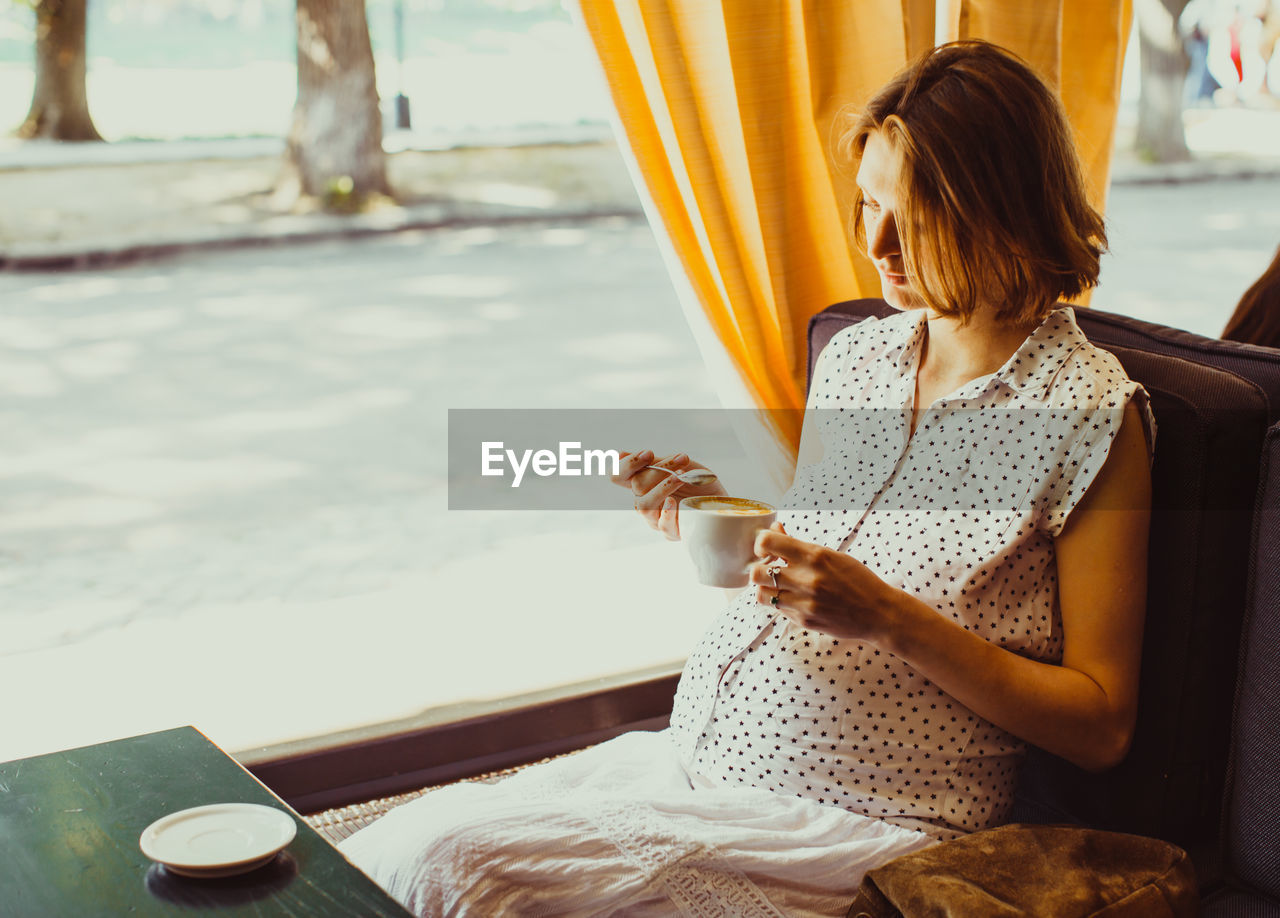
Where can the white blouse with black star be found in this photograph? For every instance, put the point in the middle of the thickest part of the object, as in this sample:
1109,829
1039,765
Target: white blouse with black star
962,514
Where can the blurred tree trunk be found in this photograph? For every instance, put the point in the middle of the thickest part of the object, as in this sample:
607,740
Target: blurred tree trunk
59,103
1161,137
335,141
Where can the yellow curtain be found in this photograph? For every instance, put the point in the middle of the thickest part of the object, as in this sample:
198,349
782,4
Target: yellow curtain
1079,47
728,109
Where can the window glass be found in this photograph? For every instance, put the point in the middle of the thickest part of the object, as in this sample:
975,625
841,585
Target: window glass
224,490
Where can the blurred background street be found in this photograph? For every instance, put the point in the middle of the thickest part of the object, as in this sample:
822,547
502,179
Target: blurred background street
223,489
170,70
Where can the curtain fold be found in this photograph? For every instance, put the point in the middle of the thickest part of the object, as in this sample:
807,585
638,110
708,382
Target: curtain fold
1095,34
731,110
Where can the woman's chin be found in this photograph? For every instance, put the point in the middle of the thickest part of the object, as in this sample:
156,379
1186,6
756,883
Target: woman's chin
898,296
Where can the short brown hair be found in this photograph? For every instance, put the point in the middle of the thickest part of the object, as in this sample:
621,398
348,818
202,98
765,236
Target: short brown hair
1257,316
992,204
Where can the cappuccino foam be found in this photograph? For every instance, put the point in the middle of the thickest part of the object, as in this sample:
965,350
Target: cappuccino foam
731,506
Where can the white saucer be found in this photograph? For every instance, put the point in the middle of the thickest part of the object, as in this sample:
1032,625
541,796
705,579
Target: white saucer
219,840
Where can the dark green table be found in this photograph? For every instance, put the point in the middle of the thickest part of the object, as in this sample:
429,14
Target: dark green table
70,822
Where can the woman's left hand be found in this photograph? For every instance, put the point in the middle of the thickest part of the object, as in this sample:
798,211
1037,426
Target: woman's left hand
820,589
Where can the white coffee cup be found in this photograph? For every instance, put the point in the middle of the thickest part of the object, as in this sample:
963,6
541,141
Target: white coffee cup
721,535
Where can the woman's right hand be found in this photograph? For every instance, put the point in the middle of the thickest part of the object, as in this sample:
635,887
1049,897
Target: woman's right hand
657,494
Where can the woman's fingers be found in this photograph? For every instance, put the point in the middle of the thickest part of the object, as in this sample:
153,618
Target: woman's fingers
761,572
645,479
649,504
629,464
641,471
788,602
775,542
769,576
782,577
657,493
668,519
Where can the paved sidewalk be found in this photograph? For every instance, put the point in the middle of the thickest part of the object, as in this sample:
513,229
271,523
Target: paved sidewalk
86,205
225,482
1226,144
99,204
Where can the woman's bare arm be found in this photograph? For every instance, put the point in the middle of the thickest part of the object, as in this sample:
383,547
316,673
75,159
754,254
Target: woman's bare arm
1082,710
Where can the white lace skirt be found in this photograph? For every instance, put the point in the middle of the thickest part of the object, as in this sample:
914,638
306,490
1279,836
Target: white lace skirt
621,829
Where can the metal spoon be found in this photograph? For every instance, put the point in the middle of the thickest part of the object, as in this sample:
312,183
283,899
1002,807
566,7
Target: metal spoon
691,477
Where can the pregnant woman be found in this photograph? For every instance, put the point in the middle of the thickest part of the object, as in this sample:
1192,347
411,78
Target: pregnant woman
958,568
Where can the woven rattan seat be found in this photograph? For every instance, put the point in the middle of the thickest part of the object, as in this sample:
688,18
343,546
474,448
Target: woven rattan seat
343,822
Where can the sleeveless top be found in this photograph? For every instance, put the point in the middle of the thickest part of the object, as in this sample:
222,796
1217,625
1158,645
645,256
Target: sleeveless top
962,514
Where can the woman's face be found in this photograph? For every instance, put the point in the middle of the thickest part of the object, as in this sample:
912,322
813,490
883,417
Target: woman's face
877,177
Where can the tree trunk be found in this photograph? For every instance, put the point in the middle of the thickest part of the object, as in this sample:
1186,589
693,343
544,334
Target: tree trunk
1161,137
335,142
59,104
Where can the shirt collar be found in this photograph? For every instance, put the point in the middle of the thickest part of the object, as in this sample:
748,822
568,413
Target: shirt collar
905,353
1030,369
1037,361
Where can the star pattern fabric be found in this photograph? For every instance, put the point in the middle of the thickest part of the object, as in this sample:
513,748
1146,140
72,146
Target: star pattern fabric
963,514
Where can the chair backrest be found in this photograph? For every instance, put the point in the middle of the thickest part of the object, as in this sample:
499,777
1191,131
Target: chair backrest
1256,364
1211,423
1252,826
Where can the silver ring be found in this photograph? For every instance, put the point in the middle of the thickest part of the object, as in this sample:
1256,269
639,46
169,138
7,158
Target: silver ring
773,572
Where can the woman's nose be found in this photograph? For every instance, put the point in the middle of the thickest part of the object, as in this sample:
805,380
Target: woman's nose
883,242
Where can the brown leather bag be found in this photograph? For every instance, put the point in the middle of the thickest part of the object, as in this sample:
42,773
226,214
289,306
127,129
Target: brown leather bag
1030,871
